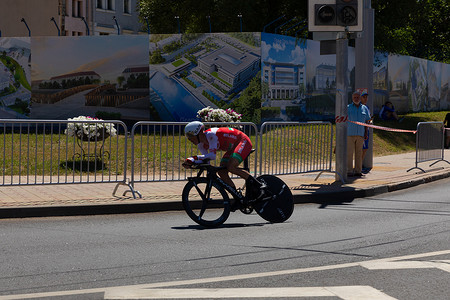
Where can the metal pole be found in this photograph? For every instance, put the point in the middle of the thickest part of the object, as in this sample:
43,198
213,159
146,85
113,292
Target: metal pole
178,22
25,22
364,53
276,29
148,25
209,22
264,29
53,19
85,23
341,104
287,30
117,24
240,20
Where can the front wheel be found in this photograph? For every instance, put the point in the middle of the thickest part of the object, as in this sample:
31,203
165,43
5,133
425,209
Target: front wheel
278,204
205,202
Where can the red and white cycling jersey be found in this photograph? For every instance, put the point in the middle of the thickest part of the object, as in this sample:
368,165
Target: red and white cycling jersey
234,142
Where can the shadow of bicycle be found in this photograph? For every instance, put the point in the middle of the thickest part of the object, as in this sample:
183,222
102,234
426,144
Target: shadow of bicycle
226,225
84,165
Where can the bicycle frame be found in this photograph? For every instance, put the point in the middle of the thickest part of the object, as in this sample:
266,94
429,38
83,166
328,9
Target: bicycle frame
212,176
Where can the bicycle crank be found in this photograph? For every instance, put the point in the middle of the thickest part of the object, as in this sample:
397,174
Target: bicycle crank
246,210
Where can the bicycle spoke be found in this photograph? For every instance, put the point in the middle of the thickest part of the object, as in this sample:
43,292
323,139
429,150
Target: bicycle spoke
202,195
206,203
205,198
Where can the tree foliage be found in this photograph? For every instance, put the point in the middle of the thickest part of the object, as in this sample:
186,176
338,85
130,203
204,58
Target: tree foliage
249,102
409,27
413,27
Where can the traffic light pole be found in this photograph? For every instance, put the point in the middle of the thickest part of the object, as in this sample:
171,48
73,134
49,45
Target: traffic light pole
364,54
341,104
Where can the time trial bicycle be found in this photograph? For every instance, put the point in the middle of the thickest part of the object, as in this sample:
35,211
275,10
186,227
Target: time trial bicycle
206,201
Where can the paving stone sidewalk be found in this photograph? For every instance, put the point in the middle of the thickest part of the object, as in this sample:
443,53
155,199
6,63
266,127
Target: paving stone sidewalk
389,173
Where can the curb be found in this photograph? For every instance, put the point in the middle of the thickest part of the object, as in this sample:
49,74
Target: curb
346,194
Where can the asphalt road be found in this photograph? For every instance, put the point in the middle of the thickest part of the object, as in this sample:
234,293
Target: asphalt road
390,246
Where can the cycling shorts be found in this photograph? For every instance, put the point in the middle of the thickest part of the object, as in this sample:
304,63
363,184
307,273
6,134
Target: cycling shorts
241,150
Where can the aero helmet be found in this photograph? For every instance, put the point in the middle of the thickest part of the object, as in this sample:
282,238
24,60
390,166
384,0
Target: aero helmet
193,128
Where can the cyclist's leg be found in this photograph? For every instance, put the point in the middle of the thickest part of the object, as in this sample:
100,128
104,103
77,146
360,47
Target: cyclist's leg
241,152
232,164
224,173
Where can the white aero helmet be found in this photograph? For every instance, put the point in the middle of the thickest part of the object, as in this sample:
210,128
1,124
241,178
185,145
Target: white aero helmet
193,128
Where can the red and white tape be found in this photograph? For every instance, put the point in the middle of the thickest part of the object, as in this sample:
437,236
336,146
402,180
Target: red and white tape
383,128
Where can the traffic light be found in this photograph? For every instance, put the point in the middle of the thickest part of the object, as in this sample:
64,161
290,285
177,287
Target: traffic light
325,14
335,15
347,12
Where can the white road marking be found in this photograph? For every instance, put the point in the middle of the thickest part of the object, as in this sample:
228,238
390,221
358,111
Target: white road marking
391,265
343,292
443,265
224,278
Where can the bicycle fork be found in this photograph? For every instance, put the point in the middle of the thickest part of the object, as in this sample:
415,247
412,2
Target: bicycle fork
206,196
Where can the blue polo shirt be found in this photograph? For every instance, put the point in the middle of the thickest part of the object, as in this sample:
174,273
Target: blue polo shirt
358,114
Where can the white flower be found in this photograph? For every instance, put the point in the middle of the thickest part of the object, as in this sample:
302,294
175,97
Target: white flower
89,129
209,114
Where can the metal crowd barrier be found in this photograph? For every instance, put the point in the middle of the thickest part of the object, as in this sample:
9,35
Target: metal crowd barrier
41,152
430,138
292,147
159,148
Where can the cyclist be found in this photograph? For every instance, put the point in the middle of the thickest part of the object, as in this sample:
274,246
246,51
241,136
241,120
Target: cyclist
237,147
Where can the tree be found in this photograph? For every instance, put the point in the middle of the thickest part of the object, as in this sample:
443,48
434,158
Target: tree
413,27
408,27
120,80
223,14
249,103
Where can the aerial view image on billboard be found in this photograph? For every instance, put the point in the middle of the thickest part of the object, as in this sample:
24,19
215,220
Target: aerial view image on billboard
434,73
189,72
283,78
398,81
380,80
98,76
445,82
15,78
418,84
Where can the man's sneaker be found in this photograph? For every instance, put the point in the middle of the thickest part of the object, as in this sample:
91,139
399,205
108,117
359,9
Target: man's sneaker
366,170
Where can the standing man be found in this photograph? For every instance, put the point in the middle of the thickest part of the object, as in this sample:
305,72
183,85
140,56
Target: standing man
356,134
364,98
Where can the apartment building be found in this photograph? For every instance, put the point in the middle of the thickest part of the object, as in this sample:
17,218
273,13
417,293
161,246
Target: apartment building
16,15
325,77
68,17
284,79
115,17
231,67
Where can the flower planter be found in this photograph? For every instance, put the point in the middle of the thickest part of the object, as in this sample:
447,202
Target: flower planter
103,135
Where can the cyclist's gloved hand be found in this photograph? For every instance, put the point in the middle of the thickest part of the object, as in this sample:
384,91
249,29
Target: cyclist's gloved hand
189,162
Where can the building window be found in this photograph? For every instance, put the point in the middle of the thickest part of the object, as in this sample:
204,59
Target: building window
65,8
76,9
100,4
126,6
110,5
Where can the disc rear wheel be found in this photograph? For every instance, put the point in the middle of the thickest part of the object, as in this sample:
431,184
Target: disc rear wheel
278,204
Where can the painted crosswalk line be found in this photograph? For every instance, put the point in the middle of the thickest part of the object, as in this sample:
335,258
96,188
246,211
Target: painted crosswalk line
342,292
383,263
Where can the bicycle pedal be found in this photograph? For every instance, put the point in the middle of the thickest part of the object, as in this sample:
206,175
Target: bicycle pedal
246,210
